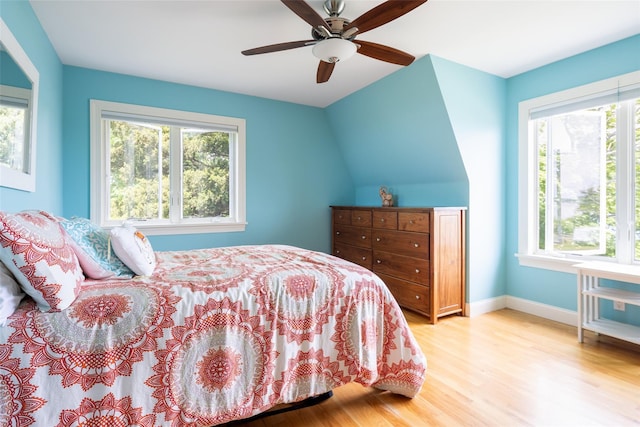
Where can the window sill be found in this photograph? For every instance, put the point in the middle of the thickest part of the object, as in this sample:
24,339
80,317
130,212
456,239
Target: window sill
163,230
548,262
565,265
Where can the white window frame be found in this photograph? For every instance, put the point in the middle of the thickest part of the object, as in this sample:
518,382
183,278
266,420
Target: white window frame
528,255
19,98
25,179
174,225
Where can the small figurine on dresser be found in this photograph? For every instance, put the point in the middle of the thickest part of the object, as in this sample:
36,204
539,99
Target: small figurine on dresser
387,198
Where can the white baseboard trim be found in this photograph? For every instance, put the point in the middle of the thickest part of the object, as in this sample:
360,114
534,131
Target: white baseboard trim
486,306
546,311
550,312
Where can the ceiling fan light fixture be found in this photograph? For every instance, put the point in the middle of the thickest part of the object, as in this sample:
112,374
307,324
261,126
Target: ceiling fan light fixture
334,49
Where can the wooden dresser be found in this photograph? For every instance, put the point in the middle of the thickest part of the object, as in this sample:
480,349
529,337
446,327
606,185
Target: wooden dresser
418,252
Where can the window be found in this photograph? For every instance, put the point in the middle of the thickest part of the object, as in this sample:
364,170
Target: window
14,127
580,175
166,171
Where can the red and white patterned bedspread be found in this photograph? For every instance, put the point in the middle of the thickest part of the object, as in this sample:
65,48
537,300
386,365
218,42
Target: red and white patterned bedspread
214,335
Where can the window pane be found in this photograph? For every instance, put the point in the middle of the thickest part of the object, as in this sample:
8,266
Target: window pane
572,183
542,142
205,167
12,122
139,186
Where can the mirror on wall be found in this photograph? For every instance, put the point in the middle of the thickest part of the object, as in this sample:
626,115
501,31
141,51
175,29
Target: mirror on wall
18,109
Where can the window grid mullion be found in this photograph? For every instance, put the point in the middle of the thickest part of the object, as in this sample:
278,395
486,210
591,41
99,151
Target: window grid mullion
625,185
175,174
549,192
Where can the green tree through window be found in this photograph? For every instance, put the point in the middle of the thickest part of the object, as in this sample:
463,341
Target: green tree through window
206,173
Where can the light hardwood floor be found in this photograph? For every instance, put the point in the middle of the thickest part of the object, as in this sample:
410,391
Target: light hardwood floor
504,368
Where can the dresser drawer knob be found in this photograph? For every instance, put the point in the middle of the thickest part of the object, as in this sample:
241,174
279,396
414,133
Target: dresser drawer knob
417,296
381,219
416,245
410,221
359,218
364,237
364,258
377,239
337,252
378,261
417,270
337,233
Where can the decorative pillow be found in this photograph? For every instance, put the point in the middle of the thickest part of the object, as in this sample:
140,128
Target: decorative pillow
134,249
34,248
91,245
10,294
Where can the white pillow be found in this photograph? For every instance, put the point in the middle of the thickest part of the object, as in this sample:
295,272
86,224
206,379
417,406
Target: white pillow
10,294
134,249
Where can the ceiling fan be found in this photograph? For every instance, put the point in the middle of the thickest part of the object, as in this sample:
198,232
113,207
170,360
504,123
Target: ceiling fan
333,37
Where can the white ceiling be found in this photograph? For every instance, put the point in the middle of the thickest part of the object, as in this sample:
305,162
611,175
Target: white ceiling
199,42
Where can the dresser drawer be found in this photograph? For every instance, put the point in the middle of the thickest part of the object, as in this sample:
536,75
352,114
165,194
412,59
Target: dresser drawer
402,243
385,220
361,218
413,221
402,267
407,294
342,216
418,251
360,256
356,236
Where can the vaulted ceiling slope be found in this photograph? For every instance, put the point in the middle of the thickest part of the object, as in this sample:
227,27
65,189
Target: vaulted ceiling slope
199,42
415,144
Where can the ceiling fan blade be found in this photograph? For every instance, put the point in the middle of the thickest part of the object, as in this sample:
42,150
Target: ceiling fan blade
324,71
306,12
278,47
384,53
383,13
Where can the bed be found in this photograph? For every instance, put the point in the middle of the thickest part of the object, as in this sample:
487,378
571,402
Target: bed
210,336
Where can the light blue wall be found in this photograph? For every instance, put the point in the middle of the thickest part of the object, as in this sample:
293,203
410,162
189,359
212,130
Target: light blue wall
434,134
396,132
27,30
294,167
475,102
547,287
11,74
